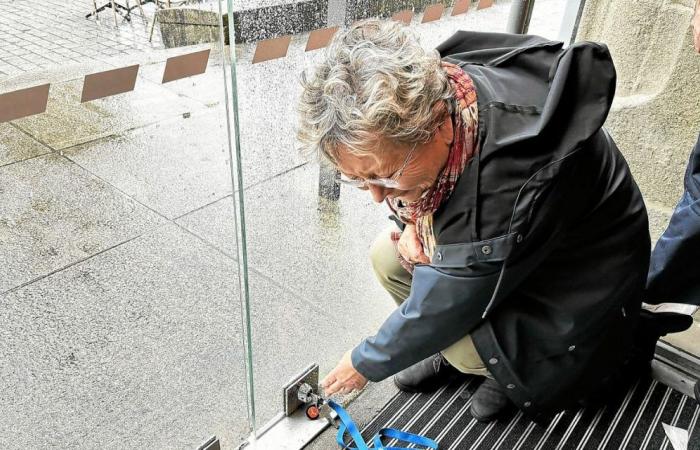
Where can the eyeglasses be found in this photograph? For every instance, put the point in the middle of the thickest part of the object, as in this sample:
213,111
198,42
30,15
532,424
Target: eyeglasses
391,183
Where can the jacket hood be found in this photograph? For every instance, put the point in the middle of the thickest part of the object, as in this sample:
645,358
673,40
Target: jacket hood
531,89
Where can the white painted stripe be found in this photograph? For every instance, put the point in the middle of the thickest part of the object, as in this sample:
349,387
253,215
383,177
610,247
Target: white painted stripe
524,436
401,410
693,421
549,430
591,428
655,420
617,417
444,409
463,434
507,431
567,433
638,416
676,416
483,434
419,413
387,406
454,420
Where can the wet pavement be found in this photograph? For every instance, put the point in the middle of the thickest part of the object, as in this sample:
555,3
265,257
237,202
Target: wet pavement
41,34
120,305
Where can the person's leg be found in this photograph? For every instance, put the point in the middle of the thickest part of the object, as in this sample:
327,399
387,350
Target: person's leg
455,361
462,355
674,262
397,282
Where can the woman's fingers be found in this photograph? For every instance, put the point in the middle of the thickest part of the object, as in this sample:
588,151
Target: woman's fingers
334,388
411,248
337,386
328,381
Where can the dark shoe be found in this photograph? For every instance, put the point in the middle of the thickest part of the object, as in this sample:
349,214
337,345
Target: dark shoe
427,375
489,401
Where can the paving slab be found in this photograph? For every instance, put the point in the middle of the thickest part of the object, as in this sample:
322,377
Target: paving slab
54,32
289,333
54,73
174,166
55,214
207,88
67,122
159,55
659,216
267,102
138,347
319,252
15,145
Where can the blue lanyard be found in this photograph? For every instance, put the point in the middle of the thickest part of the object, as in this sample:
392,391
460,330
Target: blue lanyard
348,426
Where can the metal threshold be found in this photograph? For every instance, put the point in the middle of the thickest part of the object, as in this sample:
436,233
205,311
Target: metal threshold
286,433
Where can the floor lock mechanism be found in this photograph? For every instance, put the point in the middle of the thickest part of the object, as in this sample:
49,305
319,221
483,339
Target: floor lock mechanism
315,405
303,392
311,400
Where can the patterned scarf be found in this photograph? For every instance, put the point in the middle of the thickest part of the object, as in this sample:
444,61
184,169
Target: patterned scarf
464,145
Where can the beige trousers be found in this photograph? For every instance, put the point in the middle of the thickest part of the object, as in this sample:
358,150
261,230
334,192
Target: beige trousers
397,281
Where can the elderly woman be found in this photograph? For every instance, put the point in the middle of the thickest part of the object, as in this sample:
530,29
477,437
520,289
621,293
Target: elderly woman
522,243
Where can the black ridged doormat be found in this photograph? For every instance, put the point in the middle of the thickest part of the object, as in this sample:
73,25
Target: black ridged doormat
632,421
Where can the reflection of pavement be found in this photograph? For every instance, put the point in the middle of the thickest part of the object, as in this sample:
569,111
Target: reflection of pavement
120,323
118,327
39,34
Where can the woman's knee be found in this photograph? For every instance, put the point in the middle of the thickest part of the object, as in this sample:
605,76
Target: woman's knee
384,259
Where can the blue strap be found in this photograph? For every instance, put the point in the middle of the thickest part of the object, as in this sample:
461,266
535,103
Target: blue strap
348,426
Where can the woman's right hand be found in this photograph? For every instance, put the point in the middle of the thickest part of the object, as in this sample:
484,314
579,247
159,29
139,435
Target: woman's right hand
410,247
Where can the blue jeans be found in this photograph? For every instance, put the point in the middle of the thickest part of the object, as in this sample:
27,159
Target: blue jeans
674,272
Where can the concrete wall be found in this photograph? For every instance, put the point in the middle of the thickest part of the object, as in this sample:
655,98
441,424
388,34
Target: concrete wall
656,115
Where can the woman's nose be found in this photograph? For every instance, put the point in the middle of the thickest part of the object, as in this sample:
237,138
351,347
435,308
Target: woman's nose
378,192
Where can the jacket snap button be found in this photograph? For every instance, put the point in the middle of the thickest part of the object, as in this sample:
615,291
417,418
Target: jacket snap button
511,386
572,348
439,256
493,361
486,249
519,239
527,404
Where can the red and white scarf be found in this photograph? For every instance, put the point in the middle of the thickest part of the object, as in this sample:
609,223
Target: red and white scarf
463,147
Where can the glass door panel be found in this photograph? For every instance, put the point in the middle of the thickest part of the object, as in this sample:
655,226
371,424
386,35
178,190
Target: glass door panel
120,318
311,290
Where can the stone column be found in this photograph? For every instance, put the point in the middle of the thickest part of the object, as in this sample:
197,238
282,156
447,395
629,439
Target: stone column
655,119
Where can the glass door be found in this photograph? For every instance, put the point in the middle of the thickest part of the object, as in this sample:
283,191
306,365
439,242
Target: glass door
119,292
310,287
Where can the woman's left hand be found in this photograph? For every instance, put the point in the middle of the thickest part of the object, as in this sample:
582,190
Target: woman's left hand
344,378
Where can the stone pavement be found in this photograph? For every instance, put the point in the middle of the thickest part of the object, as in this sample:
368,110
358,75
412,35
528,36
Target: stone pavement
120,322
41,34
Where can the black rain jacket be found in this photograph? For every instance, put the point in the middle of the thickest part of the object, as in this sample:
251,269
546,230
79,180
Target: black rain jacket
543,247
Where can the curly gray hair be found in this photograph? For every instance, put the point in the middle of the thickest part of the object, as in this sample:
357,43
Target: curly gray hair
376,82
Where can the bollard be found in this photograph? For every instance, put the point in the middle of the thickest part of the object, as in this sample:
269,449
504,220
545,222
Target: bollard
328,187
